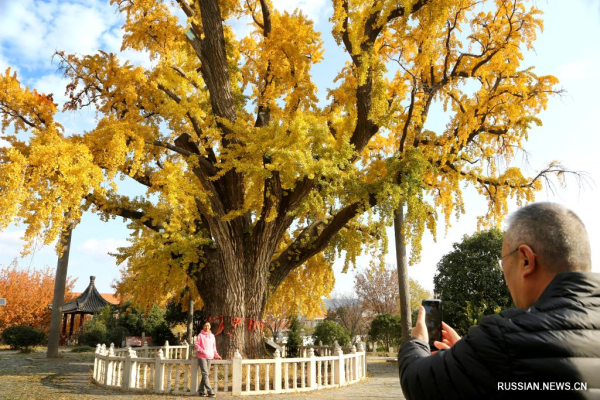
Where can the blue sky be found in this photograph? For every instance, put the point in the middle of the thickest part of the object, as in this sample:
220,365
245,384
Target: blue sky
31,30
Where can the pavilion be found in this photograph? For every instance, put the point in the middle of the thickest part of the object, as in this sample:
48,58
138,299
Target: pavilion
88,302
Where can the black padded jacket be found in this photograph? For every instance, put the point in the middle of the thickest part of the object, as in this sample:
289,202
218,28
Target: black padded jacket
518,353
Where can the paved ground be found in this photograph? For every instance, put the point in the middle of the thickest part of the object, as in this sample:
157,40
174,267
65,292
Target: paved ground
33,377
381,383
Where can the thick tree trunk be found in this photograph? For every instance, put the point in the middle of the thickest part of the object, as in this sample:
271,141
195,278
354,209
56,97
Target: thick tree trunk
233,302
402,265
59,293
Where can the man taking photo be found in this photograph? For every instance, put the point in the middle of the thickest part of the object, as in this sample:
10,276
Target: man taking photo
548,347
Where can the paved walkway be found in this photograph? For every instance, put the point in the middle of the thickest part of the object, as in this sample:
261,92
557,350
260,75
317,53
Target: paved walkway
34,377
381,383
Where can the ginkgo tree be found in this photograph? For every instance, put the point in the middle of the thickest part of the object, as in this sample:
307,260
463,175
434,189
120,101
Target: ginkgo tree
244,177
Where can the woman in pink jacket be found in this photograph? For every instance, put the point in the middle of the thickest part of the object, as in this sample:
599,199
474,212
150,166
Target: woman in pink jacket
206,350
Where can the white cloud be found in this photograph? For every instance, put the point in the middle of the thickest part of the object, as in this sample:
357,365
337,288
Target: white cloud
314,9
78,29
3,64
138,58
11,244
32,30
22,31
581,70
100,248
112,40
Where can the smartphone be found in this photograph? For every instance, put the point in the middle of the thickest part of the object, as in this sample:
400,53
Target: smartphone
433,320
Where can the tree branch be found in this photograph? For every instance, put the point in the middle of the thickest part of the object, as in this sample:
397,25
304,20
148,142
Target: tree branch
189,11
310,242
119,211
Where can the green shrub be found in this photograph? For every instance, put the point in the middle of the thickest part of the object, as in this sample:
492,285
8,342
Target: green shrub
386,328
294,338
162,333
22,337
83,349
106,328
94,332
328,331
116,335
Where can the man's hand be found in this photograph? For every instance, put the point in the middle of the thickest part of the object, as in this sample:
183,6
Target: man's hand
449,337
420,329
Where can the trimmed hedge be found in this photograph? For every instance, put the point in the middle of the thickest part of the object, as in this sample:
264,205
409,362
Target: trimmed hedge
23,337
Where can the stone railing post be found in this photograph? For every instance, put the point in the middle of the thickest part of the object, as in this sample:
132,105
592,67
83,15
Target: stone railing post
126,369
110,365
96,362
104,367
236,374
194,377
186,350
159,371
145,349
133,377
312,369
361,349
355,365
167,353
339,376
277,372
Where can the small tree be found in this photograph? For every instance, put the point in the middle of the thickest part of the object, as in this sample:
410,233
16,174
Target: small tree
349,312
328,331
294,338
22,337
132,319
275,326
156,326
469,281
386,328
377,288
95,332
105,328
115,332
175,314
28,291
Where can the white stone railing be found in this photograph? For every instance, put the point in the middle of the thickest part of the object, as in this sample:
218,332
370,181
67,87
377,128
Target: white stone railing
125,369
170,352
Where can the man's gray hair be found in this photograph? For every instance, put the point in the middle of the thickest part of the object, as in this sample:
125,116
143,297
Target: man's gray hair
556,235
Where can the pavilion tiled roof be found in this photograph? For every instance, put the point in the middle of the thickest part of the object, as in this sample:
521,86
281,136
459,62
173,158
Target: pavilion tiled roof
90,301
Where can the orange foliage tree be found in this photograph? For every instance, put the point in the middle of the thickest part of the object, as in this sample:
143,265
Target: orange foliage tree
28,293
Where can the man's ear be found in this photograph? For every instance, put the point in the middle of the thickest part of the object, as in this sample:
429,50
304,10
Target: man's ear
528,261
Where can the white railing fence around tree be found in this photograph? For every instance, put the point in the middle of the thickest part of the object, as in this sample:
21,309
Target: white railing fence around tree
167,369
